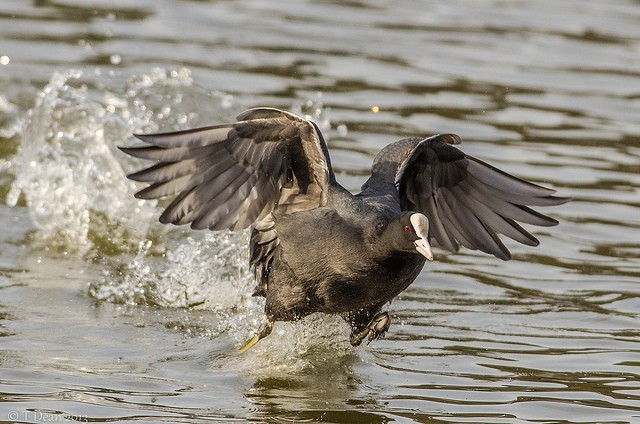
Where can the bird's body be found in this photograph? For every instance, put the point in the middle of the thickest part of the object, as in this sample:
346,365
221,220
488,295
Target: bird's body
315,246
306,277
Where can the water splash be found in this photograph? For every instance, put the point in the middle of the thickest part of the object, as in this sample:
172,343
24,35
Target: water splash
209,270
314,343
314,109
205,269
71,177
68,170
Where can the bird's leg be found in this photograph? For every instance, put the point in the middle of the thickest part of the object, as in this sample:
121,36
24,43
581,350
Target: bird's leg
263,331
376,328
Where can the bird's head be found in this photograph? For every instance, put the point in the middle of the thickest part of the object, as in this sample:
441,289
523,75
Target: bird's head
410,233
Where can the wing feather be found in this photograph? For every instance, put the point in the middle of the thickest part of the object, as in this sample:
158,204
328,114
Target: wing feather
436,225
468,202
217,171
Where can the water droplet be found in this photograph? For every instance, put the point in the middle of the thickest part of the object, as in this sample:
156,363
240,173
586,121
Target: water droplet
227,101
13,196
4,60
115,59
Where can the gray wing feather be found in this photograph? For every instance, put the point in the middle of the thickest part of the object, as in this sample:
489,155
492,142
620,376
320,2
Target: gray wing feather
229,176
468,202
190,139
499,222
436,224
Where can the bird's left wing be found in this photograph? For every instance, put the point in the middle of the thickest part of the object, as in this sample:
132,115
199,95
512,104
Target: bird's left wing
467,201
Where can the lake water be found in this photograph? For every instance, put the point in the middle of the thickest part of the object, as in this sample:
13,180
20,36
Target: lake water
107,316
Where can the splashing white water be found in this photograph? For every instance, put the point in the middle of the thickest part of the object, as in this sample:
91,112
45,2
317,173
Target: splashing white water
72,179
68,167
201,270
304,346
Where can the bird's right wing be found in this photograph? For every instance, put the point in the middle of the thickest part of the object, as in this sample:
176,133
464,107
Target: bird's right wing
234,175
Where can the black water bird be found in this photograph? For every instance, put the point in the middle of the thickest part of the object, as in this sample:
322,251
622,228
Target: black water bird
316,247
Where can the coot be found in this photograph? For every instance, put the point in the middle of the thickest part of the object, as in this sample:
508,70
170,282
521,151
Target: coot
316,247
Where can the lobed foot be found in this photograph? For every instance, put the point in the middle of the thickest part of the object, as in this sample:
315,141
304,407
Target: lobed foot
263,331
374,330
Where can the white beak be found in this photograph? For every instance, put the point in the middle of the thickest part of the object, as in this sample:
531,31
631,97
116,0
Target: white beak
424,248
421,225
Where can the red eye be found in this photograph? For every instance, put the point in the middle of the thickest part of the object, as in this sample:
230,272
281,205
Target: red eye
407,229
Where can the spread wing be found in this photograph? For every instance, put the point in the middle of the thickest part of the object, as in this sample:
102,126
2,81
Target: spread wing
467,201
237,175
233,175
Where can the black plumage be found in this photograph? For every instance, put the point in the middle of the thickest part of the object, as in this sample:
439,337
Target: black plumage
315,246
